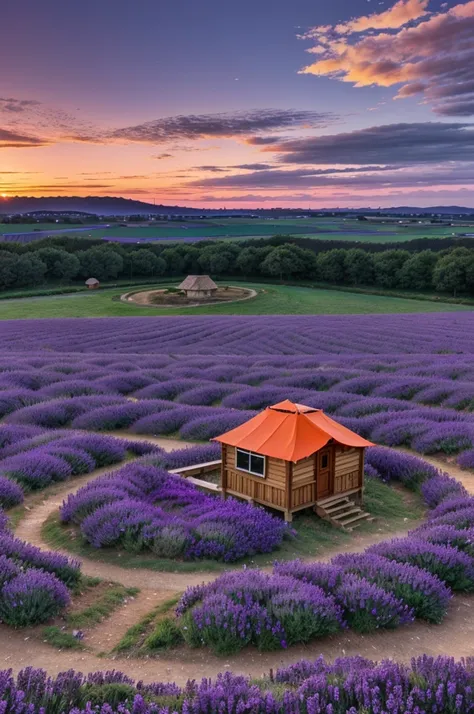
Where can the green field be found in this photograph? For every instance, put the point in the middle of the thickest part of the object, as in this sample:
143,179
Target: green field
33,227
244,228
270,300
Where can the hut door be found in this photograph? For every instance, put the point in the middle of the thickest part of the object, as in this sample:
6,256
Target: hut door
324,485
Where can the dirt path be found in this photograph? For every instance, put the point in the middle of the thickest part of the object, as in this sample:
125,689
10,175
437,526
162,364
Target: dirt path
168,444
19,650
450,466
106,635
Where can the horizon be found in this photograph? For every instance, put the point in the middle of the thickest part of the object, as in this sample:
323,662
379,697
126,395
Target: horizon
321,209
358,104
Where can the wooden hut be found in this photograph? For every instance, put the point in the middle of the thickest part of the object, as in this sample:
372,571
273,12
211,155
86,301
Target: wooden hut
92,283
292,457
198,287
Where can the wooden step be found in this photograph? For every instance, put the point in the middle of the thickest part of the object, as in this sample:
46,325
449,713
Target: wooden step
340,516
356,524
337,497
332,501
360,517
347,504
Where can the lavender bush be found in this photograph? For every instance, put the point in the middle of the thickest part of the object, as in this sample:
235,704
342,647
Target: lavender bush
11,494
455,568
250,607
35,469
192,455
466,459
348,686
450,438
4,522
437,489
207,427
32,597
426,594
392,465
8,571
325,575
368,607
448,535
365,606
66,569
144,507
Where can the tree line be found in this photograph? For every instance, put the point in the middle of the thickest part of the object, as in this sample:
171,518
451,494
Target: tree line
67,260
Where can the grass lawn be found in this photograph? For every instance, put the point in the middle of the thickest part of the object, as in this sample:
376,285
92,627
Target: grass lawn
94,600
394,508
6,228
270,300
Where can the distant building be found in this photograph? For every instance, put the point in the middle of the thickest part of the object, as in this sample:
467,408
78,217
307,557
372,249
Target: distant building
92,283
198,286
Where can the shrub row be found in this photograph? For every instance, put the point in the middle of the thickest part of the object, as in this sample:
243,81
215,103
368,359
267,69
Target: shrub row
347,686
143,507
33,583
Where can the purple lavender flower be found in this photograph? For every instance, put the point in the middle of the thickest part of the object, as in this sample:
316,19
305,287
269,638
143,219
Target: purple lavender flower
455,568
66,569
251,607
32,597
36,468
11,494
425,593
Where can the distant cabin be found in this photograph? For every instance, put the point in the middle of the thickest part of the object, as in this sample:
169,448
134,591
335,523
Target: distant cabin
292,457
198,286
92,283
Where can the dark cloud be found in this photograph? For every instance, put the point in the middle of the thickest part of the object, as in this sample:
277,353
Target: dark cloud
162,156
253,167
255,198
95,173
223,169
212,168
225,125
457,109
13,140
367,178
262,140
283,179
15,106
388,144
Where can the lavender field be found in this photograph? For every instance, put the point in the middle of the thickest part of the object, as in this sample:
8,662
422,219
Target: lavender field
81,395
348,686
246,335
399,380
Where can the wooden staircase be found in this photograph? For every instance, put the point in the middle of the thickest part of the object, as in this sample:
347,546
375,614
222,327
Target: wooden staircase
341,511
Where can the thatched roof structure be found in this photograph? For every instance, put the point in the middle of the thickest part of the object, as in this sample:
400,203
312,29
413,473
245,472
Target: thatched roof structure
198,283
92,281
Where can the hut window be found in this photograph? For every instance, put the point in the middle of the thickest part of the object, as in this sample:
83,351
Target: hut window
324,461
250,462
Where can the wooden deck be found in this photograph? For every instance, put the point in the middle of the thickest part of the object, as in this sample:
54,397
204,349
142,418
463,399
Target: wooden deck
192,474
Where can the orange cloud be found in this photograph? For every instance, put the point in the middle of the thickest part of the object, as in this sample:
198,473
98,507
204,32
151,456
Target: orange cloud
400,14
403,12
434,57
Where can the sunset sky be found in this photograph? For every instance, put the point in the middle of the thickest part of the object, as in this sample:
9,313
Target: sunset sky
247,103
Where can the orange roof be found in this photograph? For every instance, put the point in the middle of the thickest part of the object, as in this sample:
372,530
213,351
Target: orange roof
290,431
